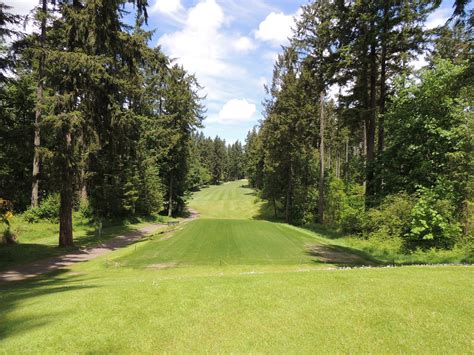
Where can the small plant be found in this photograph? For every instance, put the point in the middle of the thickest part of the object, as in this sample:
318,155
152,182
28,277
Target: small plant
47,210
6,216
85,210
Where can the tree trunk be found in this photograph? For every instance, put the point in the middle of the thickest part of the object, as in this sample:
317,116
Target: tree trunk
67,194
370,176
383,93
321,160
82,174
170,200
383,98
289,194
274,207
38,113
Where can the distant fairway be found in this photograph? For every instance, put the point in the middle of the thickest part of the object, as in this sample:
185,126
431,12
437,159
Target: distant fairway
232,200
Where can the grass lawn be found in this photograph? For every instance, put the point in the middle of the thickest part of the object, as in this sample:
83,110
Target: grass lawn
230,283
37,241
410,309
233,242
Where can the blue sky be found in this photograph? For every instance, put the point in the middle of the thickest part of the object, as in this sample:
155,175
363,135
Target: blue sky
230,45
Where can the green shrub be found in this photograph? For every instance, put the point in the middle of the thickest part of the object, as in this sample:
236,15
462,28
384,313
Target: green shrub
85,209
48,209
432,222
344,205
390,219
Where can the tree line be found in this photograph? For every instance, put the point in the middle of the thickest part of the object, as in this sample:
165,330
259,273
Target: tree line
354,137
91,112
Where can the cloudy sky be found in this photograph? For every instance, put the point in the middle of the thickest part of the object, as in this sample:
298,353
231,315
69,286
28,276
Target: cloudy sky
230,45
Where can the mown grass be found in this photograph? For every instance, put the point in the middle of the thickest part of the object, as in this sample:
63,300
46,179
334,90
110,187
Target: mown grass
229,242
117,310
232,200
228,283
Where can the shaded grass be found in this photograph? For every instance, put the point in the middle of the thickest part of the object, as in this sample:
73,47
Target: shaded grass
38,241
130,310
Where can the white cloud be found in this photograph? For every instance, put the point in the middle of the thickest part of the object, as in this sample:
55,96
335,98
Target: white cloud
437,18
166,6
276,28
235,111
198,45
21,7
203,48
244,44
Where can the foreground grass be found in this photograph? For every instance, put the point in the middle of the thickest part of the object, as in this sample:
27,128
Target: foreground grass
98,309
37,241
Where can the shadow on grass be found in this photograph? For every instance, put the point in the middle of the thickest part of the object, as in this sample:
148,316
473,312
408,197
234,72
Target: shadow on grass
24,253
14,294
341,256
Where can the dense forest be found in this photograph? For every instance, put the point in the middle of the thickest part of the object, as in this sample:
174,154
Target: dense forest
95,120
357,139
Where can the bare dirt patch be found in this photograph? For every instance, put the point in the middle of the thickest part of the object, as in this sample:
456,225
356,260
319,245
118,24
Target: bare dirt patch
337,255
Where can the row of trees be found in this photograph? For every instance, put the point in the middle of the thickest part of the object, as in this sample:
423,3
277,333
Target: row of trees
388,130
216,161
88,110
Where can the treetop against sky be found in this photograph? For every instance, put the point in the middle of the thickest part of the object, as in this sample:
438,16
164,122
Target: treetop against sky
231,46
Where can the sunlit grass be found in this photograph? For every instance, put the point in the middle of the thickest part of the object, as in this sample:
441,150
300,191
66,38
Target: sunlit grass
99,309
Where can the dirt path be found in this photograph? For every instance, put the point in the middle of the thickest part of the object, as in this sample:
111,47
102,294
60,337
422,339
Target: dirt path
44,266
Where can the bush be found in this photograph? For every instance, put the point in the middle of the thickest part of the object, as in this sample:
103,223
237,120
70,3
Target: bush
85,209
344,205
7,235
390,219
432,223
48,210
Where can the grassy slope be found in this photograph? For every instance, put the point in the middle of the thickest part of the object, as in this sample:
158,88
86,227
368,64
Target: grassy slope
251,303
236,242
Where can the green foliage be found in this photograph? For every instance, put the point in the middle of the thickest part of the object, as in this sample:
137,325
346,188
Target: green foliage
424,220
390,220
427,133
85,210
152,192
344,205
48,209
432,222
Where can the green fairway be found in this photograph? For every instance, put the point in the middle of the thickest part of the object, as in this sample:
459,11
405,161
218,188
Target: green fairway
236,242
230,283
232,200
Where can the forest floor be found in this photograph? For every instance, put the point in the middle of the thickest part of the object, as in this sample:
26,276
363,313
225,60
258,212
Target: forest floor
232,281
